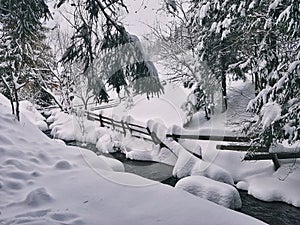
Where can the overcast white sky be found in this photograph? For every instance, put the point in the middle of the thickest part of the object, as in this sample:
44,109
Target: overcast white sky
143,12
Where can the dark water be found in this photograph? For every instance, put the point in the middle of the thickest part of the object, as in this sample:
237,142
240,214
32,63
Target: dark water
274,213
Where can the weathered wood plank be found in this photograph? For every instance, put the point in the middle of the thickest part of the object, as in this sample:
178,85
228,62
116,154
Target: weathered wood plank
209,137
140,131
244,148
268,156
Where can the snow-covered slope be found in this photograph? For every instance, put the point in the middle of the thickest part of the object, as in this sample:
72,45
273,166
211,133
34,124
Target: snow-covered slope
45,182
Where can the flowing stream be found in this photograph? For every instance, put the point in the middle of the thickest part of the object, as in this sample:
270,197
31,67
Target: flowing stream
274,213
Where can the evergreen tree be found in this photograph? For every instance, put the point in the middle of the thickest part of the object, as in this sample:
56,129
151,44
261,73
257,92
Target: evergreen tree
261,38
22,50
218,27
277,104
101,41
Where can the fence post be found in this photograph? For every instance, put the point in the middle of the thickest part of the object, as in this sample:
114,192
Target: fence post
101,121
123,126
112,123
175,138
275,160
130,131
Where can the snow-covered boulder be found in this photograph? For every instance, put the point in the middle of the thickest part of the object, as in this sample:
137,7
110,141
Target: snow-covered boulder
110,142
217,192
115,164
187,165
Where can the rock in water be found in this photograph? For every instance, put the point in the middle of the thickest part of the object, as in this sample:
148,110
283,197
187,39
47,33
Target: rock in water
217,192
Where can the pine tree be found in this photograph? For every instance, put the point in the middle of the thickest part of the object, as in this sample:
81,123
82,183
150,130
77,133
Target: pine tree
277,104
261,38
217,25
100,40
22,50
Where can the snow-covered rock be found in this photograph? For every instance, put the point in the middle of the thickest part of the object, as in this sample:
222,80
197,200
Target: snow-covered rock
282,185
187,164
110,142
217,192
115,164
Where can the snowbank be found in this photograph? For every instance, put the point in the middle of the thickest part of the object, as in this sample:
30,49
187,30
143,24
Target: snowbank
282,185
44,182
74,128
188,165
28,110
217,192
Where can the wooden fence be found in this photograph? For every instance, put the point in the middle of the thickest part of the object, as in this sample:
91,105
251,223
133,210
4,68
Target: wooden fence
124,127
253,152
242,143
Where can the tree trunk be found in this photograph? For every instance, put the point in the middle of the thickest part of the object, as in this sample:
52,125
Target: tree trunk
224,86
17,104
224,93
12,104
10,95
256,83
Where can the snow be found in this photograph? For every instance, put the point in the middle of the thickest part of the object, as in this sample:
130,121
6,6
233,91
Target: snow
274,5
166,107
271,112
293,66
109,142
282,185
45,182
116,165
188,165
203,11
284,15
217,192
28,110
70,127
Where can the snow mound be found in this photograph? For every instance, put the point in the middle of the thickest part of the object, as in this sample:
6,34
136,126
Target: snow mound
217,192
116,165
63,165
283,185
28,109
110,142
70,128
38,197
187,165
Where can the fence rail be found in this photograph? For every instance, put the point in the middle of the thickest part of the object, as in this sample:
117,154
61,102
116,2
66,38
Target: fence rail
209,137
242,142
122,126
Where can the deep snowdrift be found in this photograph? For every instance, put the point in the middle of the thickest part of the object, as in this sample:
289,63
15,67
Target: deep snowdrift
44,182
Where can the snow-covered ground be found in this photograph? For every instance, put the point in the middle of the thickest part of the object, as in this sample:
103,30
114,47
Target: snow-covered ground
258,177
86,186
44,182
